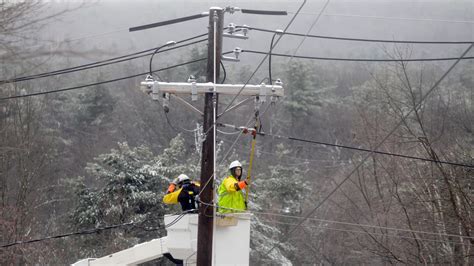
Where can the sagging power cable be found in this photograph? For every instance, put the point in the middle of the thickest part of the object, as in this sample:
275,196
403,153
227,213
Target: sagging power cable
93,230
310,28
364,150
325,227
105,62
83,232
327,197
263,60
99,83
360,59
348,147
364,225
391,18
354,39
386,228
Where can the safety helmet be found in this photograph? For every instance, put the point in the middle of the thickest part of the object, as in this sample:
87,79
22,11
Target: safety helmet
235,164
182,178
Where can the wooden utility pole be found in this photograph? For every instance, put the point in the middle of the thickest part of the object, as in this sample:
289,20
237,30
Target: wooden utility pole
206,211
211,89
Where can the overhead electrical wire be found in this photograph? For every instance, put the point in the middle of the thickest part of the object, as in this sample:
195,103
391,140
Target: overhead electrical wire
365,225
289,232
83,232
227,153
304,161
391,18
174,128
93,230
263,12
263,60
310,29
168,22
258,213
353,39
365,150
360,59
371,233
270,81
105,62
99,83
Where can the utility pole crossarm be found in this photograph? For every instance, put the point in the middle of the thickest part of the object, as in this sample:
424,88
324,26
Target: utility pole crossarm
158,88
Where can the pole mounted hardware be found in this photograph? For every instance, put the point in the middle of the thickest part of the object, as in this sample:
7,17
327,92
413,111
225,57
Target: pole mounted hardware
157,88
236,52
232,32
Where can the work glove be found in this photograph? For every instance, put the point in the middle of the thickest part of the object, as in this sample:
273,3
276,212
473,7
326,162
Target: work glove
241,185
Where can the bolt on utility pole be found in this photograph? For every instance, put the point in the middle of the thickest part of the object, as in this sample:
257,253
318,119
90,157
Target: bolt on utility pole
206,212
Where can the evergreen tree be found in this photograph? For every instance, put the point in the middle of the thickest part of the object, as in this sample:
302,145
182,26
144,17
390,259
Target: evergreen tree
131,183
281,189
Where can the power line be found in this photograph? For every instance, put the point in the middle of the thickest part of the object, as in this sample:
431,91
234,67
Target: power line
371,233
376,147
355,39
309,30
366,225
392,18
92,230
365,150
168,22
263,12
174,128
84,232
346,223
101,82
263,60
103,62
305,160
360,59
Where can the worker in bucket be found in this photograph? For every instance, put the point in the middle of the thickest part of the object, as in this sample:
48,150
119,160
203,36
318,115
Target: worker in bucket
231,197
184,191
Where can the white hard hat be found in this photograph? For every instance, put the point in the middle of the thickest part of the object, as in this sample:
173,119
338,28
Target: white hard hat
182,178
235,164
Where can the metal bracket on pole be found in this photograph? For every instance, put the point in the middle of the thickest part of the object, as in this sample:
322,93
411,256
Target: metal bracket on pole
192,80
236,52
231,32
273,98
257,105
263,93
155,91
194,95
232,9
166,102
222,89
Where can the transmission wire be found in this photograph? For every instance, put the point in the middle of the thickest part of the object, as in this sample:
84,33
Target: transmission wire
376,147
263,60
102,62
99,83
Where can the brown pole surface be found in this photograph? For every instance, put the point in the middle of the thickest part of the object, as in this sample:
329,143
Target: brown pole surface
206,212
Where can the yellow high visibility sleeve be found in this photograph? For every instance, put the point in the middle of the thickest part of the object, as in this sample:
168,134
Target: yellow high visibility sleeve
229,184
172,198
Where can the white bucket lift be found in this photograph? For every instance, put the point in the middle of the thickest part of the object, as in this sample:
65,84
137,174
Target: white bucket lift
231,243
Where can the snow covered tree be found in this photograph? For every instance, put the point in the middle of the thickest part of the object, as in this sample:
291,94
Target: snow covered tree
281,190
130,184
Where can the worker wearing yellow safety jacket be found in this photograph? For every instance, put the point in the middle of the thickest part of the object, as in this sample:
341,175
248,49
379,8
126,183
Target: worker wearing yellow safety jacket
184,191
231,198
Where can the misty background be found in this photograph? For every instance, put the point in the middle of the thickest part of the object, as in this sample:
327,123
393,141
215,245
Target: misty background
103,155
